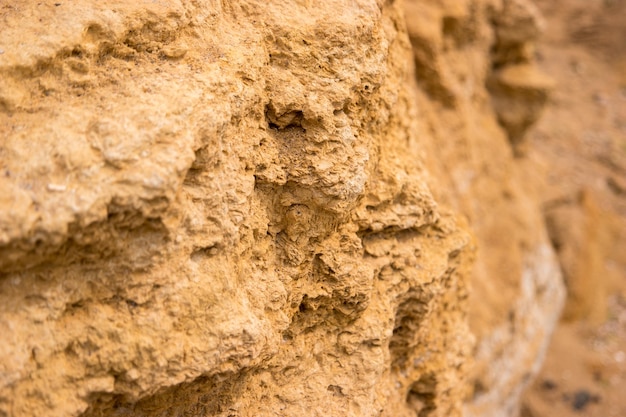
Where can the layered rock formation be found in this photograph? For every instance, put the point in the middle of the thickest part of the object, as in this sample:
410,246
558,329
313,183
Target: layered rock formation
268,208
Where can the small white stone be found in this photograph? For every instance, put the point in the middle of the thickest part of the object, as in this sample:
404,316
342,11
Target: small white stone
133,374
56,187
324,165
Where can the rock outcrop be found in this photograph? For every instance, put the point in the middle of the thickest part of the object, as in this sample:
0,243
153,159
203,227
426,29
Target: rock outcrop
246,208
516,290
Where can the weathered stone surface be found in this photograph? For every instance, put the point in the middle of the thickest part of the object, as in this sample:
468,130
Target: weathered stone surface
261,208
516,292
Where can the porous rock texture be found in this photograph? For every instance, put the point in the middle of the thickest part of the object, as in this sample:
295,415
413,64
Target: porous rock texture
517,294
255,208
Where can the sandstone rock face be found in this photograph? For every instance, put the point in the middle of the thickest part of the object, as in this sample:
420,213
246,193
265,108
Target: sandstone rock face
516,292
261,208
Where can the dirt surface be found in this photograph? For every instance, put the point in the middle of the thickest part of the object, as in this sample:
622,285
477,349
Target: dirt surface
580,147
585,371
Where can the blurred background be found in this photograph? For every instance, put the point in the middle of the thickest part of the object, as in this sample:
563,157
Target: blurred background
578,150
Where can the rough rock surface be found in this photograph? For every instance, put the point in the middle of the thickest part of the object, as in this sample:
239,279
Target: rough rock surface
516,292
246,208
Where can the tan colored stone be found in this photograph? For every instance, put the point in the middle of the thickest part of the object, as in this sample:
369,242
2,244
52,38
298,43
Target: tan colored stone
188,192
261,208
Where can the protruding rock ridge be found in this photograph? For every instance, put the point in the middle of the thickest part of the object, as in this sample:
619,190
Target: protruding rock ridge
518,88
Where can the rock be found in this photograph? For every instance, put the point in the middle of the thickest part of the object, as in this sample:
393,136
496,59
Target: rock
580,233
251,208
519,90
517,293
581,400
519,93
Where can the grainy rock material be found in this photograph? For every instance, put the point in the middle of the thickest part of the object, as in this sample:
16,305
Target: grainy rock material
218,208
251,208
472,138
